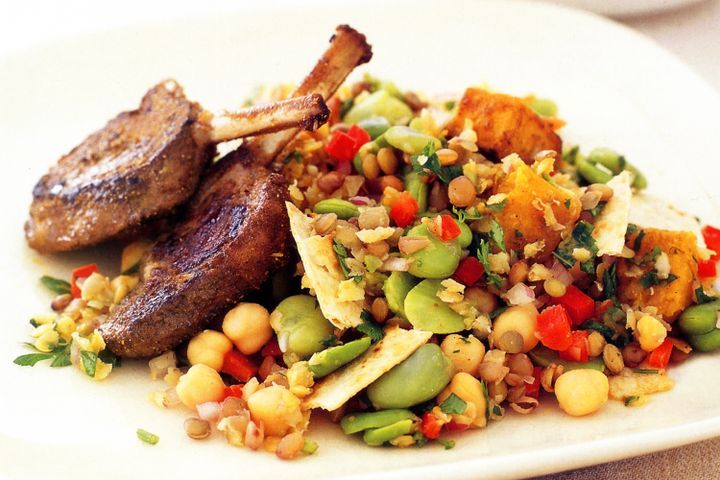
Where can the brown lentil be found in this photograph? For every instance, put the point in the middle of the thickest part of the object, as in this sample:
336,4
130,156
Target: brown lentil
438,197
633,355
461,191
370,166
520,364
387,160
197,428
481,299
516,393
549,375
492,372
391,181
60,302
379,309
330,182
510,341
447,156
513,380
596,344
613,359
518,272
413,101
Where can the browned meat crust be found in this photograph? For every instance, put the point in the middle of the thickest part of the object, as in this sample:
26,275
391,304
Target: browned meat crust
234,234
141,165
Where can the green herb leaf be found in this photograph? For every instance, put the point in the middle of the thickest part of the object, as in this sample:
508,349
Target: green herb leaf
482,255
581,238
464,215
450,104
651,278
370,328
518,233
62,357
597,209
446,442
638,240
420,439
30,359
88,360
601,328
632,228
497,234
294,156
650,256
453,405
147,437
345,106
342,255
497,207
646,371
630,400
432,165
703,297
609,281
110,358
330,341
55,285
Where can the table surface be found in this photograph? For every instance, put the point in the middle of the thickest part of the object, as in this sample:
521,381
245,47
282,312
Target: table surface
691,33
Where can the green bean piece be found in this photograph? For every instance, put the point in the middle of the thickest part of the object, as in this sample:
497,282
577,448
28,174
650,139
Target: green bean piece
609,158
358,422
375,126
466,236
342,208
417,188
300,324
379,104
377,436
640,182
409,140
327,361
396,288
424,310
707,342
437,260
544,107
544,357
700,319
590,172
418,378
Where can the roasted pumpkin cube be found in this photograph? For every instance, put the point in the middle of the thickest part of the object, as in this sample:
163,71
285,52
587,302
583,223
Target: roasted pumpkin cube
536,210
505,124
637,285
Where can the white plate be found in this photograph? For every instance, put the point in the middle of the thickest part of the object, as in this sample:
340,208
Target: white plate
613,86
625,8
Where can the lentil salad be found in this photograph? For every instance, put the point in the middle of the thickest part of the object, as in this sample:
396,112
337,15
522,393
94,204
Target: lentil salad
514,265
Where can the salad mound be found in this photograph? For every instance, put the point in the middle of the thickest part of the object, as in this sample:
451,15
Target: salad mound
455,264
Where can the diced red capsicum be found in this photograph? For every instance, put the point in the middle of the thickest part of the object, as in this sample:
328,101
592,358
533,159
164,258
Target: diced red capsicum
533,389
453,426
239,366
707,268
449,229
660,357
80,272
430,426
553,326
712,240
271,349
234,391
578,350
469,271
404,209
579,306
343,146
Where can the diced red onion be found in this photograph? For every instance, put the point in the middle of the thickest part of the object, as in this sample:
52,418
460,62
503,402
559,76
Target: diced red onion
209,411
359,200
560,273
520,294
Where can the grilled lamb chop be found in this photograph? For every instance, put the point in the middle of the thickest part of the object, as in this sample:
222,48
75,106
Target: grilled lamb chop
234,234
142,165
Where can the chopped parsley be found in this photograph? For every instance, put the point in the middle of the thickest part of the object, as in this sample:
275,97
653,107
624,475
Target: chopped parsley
147,437
294,156
629,401
609,280
446,442
453,405
567,203
638,240
646,371
369,327
345,106
601,328
59,356
650,256
55,285
464,215
651,278
88,361
342,255
632,228
497,207
428,161
703,297
482,255
595,211
497,235
450,104
420,439
581,238
518,233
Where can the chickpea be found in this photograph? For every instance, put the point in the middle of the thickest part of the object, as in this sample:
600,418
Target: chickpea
209,348
199,385
519,320
465,353
277,408
651,333
596,344
554,288
481,299
471,391
520,364
461,191
581,392
248,326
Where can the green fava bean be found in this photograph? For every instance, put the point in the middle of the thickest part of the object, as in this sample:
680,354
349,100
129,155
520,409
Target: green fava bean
410,141
357,422
544,357
377,436
327,361
437,260
375,126
418,189
379,104
617,163
300,325
342,208
707,342
700,319
590,172
418,378
544,107
424,310
466,236
396,288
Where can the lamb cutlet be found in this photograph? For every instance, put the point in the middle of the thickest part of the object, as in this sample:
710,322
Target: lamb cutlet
234,234
142,165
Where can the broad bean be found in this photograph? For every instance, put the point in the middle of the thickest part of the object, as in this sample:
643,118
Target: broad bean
327,361
300,326
342,208
424,310
418,189
357,422
409,141
437,260
379,104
